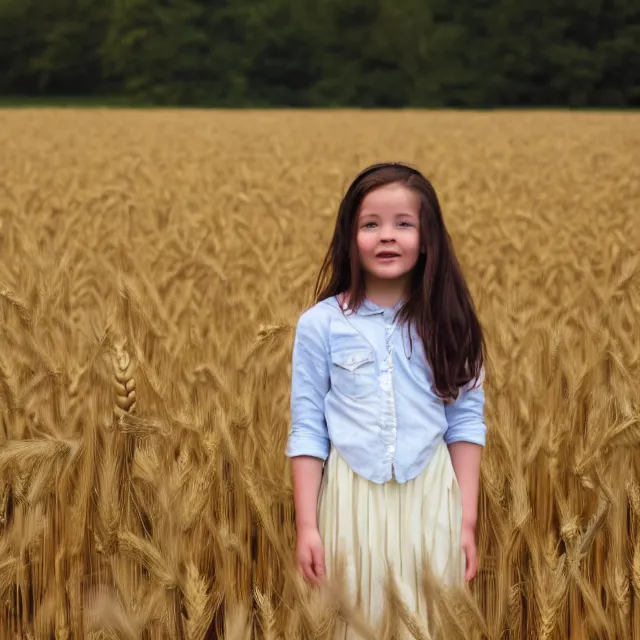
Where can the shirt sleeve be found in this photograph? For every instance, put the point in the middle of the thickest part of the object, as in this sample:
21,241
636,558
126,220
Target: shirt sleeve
309,385
465,416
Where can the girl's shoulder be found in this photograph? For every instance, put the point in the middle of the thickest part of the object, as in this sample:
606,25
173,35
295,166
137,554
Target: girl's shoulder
314,325
320,314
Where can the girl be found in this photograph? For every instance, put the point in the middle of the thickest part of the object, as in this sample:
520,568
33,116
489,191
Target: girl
387,404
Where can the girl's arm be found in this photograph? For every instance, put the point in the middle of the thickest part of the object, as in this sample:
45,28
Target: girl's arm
465,457
309,385
465,437
308,443
306,474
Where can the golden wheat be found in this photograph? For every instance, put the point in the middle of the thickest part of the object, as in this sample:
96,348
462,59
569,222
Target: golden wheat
152,268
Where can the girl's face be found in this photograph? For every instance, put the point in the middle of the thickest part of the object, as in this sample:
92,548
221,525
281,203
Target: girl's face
388,232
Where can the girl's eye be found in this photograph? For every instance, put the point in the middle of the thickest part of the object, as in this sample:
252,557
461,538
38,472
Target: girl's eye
369,225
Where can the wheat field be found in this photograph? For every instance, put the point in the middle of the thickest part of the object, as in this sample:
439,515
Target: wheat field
152,268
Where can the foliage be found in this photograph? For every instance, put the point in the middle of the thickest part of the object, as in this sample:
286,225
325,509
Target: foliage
380,53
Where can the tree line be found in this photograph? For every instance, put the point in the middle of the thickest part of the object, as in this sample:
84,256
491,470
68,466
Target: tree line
318,53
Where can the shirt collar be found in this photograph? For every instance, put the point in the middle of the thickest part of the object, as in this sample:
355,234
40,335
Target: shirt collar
369,308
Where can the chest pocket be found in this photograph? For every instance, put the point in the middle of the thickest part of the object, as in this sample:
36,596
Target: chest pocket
353,371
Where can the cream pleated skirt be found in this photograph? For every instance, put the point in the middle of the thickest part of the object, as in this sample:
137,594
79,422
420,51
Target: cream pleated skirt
373,526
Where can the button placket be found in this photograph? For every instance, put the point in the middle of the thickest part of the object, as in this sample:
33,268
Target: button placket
386,383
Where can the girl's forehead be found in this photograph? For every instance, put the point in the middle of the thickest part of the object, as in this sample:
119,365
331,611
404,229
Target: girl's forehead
391,198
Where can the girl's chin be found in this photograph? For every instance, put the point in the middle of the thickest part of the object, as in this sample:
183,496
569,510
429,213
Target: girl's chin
389,275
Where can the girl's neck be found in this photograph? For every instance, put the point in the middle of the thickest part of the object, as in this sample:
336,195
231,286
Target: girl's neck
386,293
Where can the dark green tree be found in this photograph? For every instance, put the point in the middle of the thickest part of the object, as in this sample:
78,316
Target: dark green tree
369,53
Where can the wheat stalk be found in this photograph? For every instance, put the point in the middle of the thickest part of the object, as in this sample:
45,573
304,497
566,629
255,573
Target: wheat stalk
174,267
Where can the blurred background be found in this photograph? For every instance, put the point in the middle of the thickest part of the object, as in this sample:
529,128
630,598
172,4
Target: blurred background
322,53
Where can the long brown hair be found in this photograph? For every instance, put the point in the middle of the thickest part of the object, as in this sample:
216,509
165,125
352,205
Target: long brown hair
439,305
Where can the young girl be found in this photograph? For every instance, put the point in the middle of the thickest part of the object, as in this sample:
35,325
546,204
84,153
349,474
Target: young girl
387,404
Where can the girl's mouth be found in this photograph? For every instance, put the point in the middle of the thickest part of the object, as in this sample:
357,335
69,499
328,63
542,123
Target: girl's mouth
387,255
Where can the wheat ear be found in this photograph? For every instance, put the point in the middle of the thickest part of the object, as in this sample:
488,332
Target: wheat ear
124,382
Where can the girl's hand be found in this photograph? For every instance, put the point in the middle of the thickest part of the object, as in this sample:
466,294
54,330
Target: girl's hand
468,543
310,555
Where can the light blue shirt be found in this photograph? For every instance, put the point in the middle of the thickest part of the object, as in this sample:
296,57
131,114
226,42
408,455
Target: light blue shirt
381,415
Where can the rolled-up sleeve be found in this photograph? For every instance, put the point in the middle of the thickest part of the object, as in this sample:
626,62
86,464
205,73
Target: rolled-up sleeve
465,416
309,385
